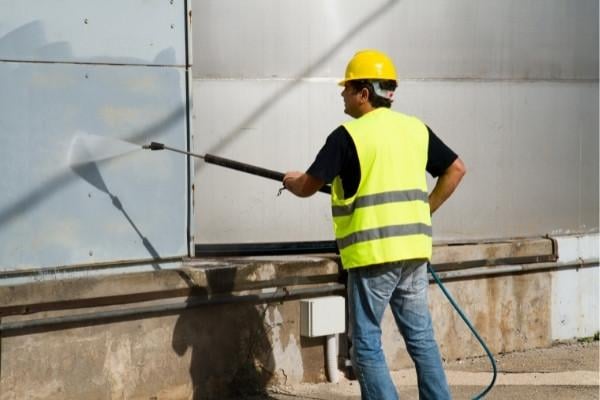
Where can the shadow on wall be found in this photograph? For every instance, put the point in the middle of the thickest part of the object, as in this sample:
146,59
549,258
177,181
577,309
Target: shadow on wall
40,108
91,174
260,109
231,354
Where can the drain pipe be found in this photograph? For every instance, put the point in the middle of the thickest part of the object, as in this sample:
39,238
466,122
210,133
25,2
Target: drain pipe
331,358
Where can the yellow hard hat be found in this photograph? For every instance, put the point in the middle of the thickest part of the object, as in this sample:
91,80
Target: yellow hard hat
369,64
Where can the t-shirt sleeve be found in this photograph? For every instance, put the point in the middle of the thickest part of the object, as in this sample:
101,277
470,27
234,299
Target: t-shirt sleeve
439,156
330,159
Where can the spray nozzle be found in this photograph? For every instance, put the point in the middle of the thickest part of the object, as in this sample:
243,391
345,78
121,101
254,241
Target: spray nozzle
154,146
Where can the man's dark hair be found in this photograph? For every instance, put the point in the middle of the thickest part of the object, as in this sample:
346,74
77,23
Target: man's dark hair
375,100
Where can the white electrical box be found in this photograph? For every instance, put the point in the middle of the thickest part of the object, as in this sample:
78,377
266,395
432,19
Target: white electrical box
322,316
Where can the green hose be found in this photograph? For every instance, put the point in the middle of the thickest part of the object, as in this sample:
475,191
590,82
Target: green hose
472,328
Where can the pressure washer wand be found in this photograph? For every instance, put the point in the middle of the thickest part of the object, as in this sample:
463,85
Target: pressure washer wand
231,164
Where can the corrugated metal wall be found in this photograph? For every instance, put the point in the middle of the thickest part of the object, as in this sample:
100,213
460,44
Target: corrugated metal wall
113,69
512,86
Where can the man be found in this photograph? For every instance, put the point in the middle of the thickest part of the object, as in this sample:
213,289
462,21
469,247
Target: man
382,221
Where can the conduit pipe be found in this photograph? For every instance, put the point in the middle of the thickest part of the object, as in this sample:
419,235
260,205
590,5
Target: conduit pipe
507,269
12,328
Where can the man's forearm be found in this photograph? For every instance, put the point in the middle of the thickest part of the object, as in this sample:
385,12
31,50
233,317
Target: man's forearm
301,184
446,183
295,185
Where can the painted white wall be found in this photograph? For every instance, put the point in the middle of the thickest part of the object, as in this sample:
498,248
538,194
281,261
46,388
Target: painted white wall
575,292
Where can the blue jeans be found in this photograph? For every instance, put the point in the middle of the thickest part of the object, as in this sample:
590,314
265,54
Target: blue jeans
403,286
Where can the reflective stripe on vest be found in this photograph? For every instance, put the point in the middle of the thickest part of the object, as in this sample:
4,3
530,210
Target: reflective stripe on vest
380,198
382,233
388,219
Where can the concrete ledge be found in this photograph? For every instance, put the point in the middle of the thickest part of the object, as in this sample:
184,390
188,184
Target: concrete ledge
202,277
459,255
192,278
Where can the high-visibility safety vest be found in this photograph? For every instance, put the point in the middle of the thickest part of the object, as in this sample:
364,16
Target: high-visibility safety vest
388,219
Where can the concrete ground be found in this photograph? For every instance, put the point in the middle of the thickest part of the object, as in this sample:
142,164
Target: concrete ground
564,371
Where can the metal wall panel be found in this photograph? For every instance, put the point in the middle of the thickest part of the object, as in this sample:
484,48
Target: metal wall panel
112,69
512,86
108,31
129,207
531,150
483,39
259,128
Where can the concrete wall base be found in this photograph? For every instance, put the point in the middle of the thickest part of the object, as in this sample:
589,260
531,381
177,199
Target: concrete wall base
227,350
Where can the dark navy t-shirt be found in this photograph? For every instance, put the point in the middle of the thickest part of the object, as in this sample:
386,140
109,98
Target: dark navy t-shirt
339,157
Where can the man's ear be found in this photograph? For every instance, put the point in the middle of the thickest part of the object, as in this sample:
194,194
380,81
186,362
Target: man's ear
364,94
